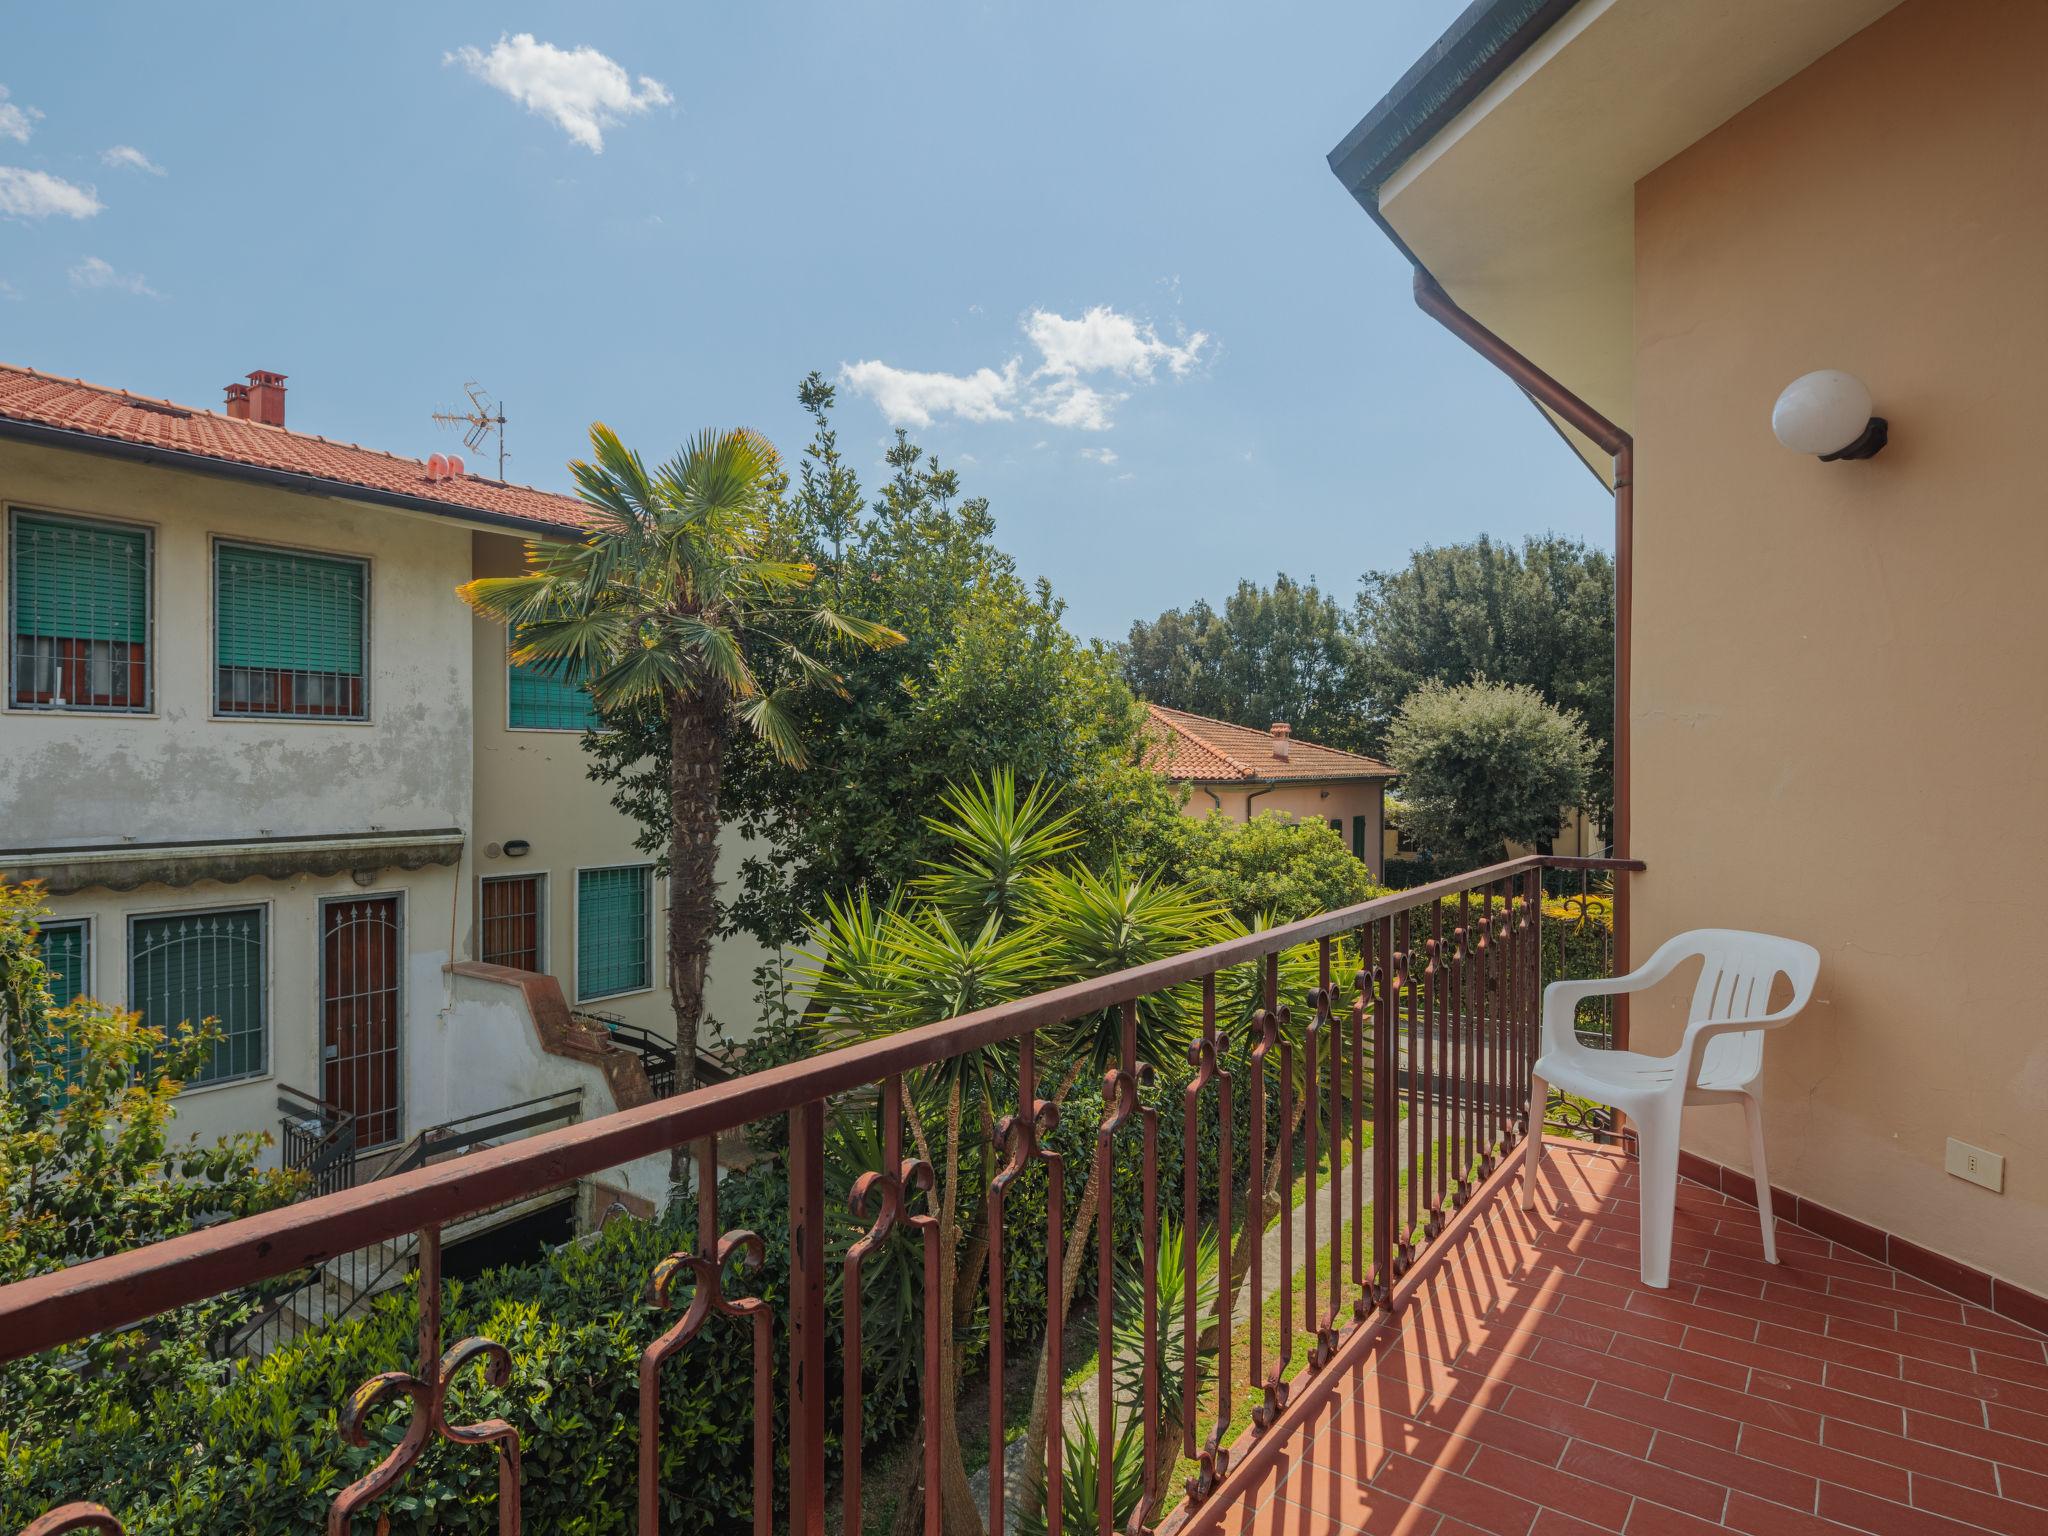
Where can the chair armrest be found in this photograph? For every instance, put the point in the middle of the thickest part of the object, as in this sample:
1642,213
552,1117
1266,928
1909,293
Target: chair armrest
1561,998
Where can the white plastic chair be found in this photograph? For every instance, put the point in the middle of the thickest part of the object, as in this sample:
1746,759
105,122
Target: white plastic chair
1718,1062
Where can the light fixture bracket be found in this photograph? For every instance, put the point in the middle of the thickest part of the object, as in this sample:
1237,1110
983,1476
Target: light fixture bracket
1874,437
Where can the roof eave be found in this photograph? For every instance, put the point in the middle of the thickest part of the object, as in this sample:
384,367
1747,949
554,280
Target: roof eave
1485,39
280,479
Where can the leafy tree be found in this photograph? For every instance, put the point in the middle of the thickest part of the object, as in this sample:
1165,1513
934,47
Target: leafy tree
670,609
987,675
88,1168
1272,866
1541,616
1484,764
1283,652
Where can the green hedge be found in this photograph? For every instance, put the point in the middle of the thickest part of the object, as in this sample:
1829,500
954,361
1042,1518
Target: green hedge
263,1453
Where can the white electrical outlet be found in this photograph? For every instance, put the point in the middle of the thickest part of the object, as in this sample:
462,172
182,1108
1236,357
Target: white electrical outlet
1976,1165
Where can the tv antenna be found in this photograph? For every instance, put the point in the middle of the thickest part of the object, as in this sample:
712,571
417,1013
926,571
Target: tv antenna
477,422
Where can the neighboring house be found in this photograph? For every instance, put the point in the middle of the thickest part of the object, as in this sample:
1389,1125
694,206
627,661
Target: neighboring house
1658,214
274,771
1243,773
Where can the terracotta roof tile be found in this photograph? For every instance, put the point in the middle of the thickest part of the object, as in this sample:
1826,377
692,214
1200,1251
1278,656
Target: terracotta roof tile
118,416
1205,751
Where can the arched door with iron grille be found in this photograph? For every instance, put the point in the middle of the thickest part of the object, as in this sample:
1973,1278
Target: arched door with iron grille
361,959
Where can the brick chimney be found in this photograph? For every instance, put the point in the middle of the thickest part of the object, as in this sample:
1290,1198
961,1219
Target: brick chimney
266,398
238,401
1283,740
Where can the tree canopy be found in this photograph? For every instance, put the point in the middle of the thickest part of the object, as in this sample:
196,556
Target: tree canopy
1541,616
987,676
1483,764
1283,652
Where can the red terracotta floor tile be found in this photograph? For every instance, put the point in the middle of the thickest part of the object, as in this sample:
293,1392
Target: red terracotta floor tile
1534,1387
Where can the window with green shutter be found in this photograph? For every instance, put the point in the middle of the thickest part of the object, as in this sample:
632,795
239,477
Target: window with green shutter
291,633
539,698
66,959
613,933
78,602
184,967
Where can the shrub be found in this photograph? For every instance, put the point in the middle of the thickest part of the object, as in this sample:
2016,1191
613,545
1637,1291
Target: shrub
1484,765
1271,865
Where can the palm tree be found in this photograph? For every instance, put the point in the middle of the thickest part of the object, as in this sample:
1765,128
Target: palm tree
669,603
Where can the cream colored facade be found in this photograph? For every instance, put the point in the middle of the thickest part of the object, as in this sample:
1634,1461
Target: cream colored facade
1677,207
1805,630
1353,807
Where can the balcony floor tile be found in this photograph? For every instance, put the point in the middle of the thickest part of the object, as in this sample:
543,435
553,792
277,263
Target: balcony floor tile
1533,1386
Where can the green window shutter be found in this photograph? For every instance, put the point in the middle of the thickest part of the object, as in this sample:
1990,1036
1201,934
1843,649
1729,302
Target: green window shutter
64,955
540,700
74,580
1358,837
280,611
612,931
189,966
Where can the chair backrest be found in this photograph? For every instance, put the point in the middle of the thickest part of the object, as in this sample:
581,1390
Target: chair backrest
1738,973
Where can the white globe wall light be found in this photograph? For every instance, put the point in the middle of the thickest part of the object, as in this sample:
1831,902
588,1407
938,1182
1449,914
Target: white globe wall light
1827,413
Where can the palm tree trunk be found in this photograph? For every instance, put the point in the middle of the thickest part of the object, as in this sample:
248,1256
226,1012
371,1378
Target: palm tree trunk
696,759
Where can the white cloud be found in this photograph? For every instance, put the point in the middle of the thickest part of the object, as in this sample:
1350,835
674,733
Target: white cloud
38,195
1100,455
1070,403
8,290
579,90
1057,391
93,273
16,123
1103,341
126,157
910,399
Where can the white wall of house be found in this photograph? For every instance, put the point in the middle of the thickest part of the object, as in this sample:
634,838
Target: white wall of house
293,980
484,1052
179,771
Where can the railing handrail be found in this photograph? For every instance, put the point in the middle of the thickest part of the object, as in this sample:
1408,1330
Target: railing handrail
123,1289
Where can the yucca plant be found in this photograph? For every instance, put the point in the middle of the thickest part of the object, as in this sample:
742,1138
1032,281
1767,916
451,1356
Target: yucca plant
1081,1479
996,843
668,604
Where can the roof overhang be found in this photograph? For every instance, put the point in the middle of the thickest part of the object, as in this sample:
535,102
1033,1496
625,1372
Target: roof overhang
124,866
1505,161
16,430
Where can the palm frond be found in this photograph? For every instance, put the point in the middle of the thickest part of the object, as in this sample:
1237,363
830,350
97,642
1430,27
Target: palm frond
768,717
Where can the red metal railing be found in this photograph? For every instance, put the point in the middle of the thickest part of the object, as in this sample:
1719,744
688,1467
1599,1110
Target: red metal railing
1423,1064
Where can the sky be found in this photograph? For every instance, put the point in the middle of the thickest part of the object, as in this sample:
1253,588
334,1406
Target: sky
1090,255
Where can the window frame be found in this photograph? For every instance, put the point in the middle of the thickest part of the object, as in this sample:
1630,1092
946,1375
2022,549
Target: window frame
544,930
218,541
267,991
576,929
148,707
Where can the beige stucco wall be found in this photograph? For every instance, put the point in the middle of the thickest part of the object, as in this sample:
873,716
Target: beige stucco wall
1819,646
81,778
535,785
1336,800
292,925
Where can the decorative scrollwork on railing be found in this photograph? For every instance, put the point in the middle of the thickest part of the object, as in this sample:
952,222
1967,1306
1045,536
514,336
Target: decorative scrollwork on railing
366,1399
497,1364
706,1299
75,1517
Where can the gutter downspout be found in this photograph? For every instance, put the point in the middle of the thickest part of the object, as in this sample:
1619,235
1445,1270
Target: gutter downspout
1547,392
1271,785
